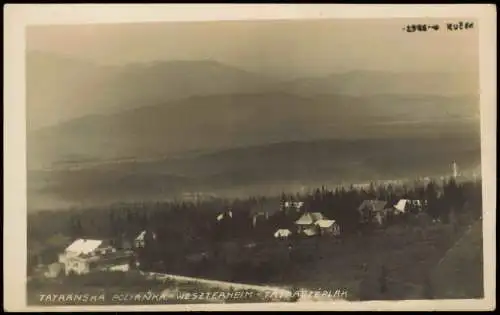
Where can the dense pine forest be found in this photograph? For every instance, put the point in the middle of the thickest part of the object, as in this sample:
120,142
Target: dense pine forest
184,229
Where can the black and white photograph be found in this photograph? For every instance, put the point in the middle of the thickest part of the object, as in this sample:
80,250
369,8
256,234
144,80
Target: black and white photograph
255,161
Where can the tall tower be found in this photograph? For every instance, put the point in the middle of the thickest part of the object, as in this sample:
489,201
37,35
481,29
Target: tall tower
454,169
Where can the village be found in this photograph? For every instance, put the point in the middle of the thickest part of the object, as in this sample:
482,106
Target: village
87,255
267,241
288,221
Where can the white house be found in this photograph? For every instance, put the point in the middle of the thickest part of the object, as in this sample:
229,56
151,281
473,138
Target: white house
83,255
406,205
307,223
400,206
282,233
139,241
84,247
73,256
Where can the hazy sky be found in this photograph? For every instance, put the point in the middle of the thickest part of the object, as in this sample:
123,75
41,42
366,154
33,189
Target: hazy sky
281,48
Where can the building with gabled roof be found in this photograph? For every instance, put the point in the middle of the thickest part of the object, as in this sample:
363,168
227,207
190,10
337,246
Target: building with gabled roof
307,222
373,211
407,205
85,247
84,255
140,240
310,218
329,227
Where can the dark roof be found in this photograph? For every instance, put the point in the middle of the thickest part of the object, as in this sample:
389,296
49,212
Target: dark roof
373,205
120,254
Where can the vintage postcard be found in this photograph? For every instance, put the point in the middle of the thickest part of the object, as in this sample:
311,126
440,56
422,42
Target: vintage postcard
250,157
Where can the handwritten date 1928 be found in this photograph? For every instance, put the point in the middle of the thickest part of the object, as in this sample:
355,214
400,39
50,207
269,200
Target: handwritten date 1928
435,27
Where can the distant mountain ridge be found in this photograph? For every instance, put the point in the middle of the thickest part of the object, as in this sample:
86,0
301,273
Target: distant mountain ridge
68,88
78,111
222,121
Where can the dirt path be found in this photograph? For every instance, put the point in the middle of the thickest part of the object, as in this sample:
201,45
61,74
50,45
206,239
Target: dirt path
223,285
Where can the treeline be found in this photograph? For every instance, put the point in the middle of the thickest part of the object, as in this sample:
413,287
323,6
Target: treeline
184,227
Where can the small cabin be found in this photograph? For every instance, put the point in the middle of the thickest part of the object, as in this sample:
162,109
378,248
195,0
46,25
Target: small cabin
140,240
328,227
409,206
282,233
307,222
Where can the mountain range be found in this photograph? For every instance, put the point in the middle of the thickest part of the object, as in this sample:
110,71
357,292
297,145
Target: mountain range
61,88
147,131
78,111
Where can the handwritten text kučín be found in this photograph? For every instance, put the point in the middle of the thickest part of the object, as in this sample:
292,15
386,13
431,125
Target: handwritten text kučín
449,26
